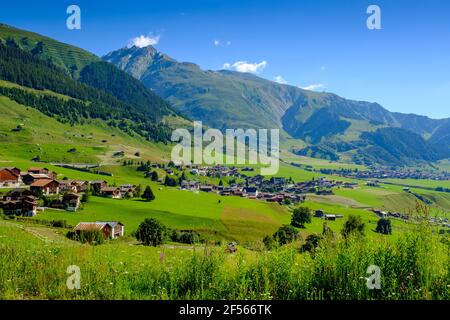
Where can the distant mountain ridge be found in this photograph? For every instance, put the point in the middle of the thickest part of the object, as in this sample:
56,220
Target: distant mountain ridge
326,121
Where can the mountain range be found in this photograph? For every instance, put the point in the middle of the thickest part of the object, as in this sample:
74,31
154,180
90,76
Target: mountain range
156,86
330,125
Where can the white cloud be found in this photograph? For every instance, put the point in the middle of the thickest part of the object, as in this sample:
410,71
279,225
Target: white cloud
244,66
313,87
280,80
144,41
219,43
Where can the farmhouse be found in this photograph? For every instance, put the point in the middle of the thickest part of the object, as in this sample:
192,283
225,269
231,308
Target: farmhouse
72,201
10,177
110,229
46,186
50,174
29,178
98,184
111,192
251,192
19,202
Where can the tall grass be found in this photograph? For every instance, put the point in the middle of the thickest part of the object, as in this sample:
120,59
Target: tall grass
416,266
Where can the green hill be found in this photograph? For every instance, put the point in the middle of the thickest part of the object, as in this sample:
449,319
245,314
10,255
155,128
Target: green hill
70,58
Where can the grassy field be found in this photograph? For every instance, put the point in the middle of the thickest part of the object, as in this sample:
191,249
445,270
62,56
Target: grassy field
414,266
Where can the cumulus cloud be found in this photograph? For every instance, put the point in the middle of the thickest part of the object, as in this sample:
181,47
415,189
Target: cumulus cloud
280,80
313,87
244,66
219,43
144,41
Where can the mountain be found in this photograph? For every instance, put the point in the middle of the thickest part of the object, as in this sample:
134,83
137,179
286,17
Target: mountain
329,124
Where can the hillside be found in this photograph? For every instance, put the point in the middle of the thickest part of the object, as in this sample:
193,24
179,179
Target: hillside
330,125
86,102
70,58
87,68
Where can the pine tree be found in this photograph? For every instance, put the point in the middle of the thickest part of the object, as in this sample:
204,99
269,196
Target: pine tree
148,194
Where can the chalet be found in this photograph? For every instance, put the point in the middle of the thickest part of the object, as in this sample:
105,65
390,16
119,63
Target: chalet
17,194
205,188
10,177
118,229
110,229
98,184
80,185
278,180
29,178
46,186
111,192
66,186
251,192
50,174
127,190
24,206
189,185
72,201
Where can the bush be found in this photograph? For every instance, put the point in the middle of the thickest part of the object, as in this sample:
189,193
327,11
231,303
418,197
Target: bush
85,197
311,243
353,225
151,232
59,223
270,243
301,216
384,226
286,234
187,237
93,237
170,181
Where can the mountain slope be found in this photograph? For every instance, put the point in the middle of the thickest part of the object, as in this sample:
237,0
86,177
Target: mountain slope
85,102
82,65
328,123
69,58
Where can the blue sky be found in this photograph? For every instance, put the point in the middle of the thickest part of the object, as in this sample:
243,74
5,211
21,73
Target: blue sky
318,44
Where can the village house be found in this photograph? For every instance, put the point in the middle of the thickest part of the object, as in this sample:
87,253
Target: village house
98,184
46,186
251,192
66,186
110,229
29,178
19,202
111,192
127,190
10,177
190,185
50,174
72,201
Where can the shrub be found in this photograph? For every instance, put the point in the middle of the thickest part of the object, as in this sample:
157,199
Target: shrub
270,243
59,223
286,234
353,225
93,237
311,243
151,232
384,226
